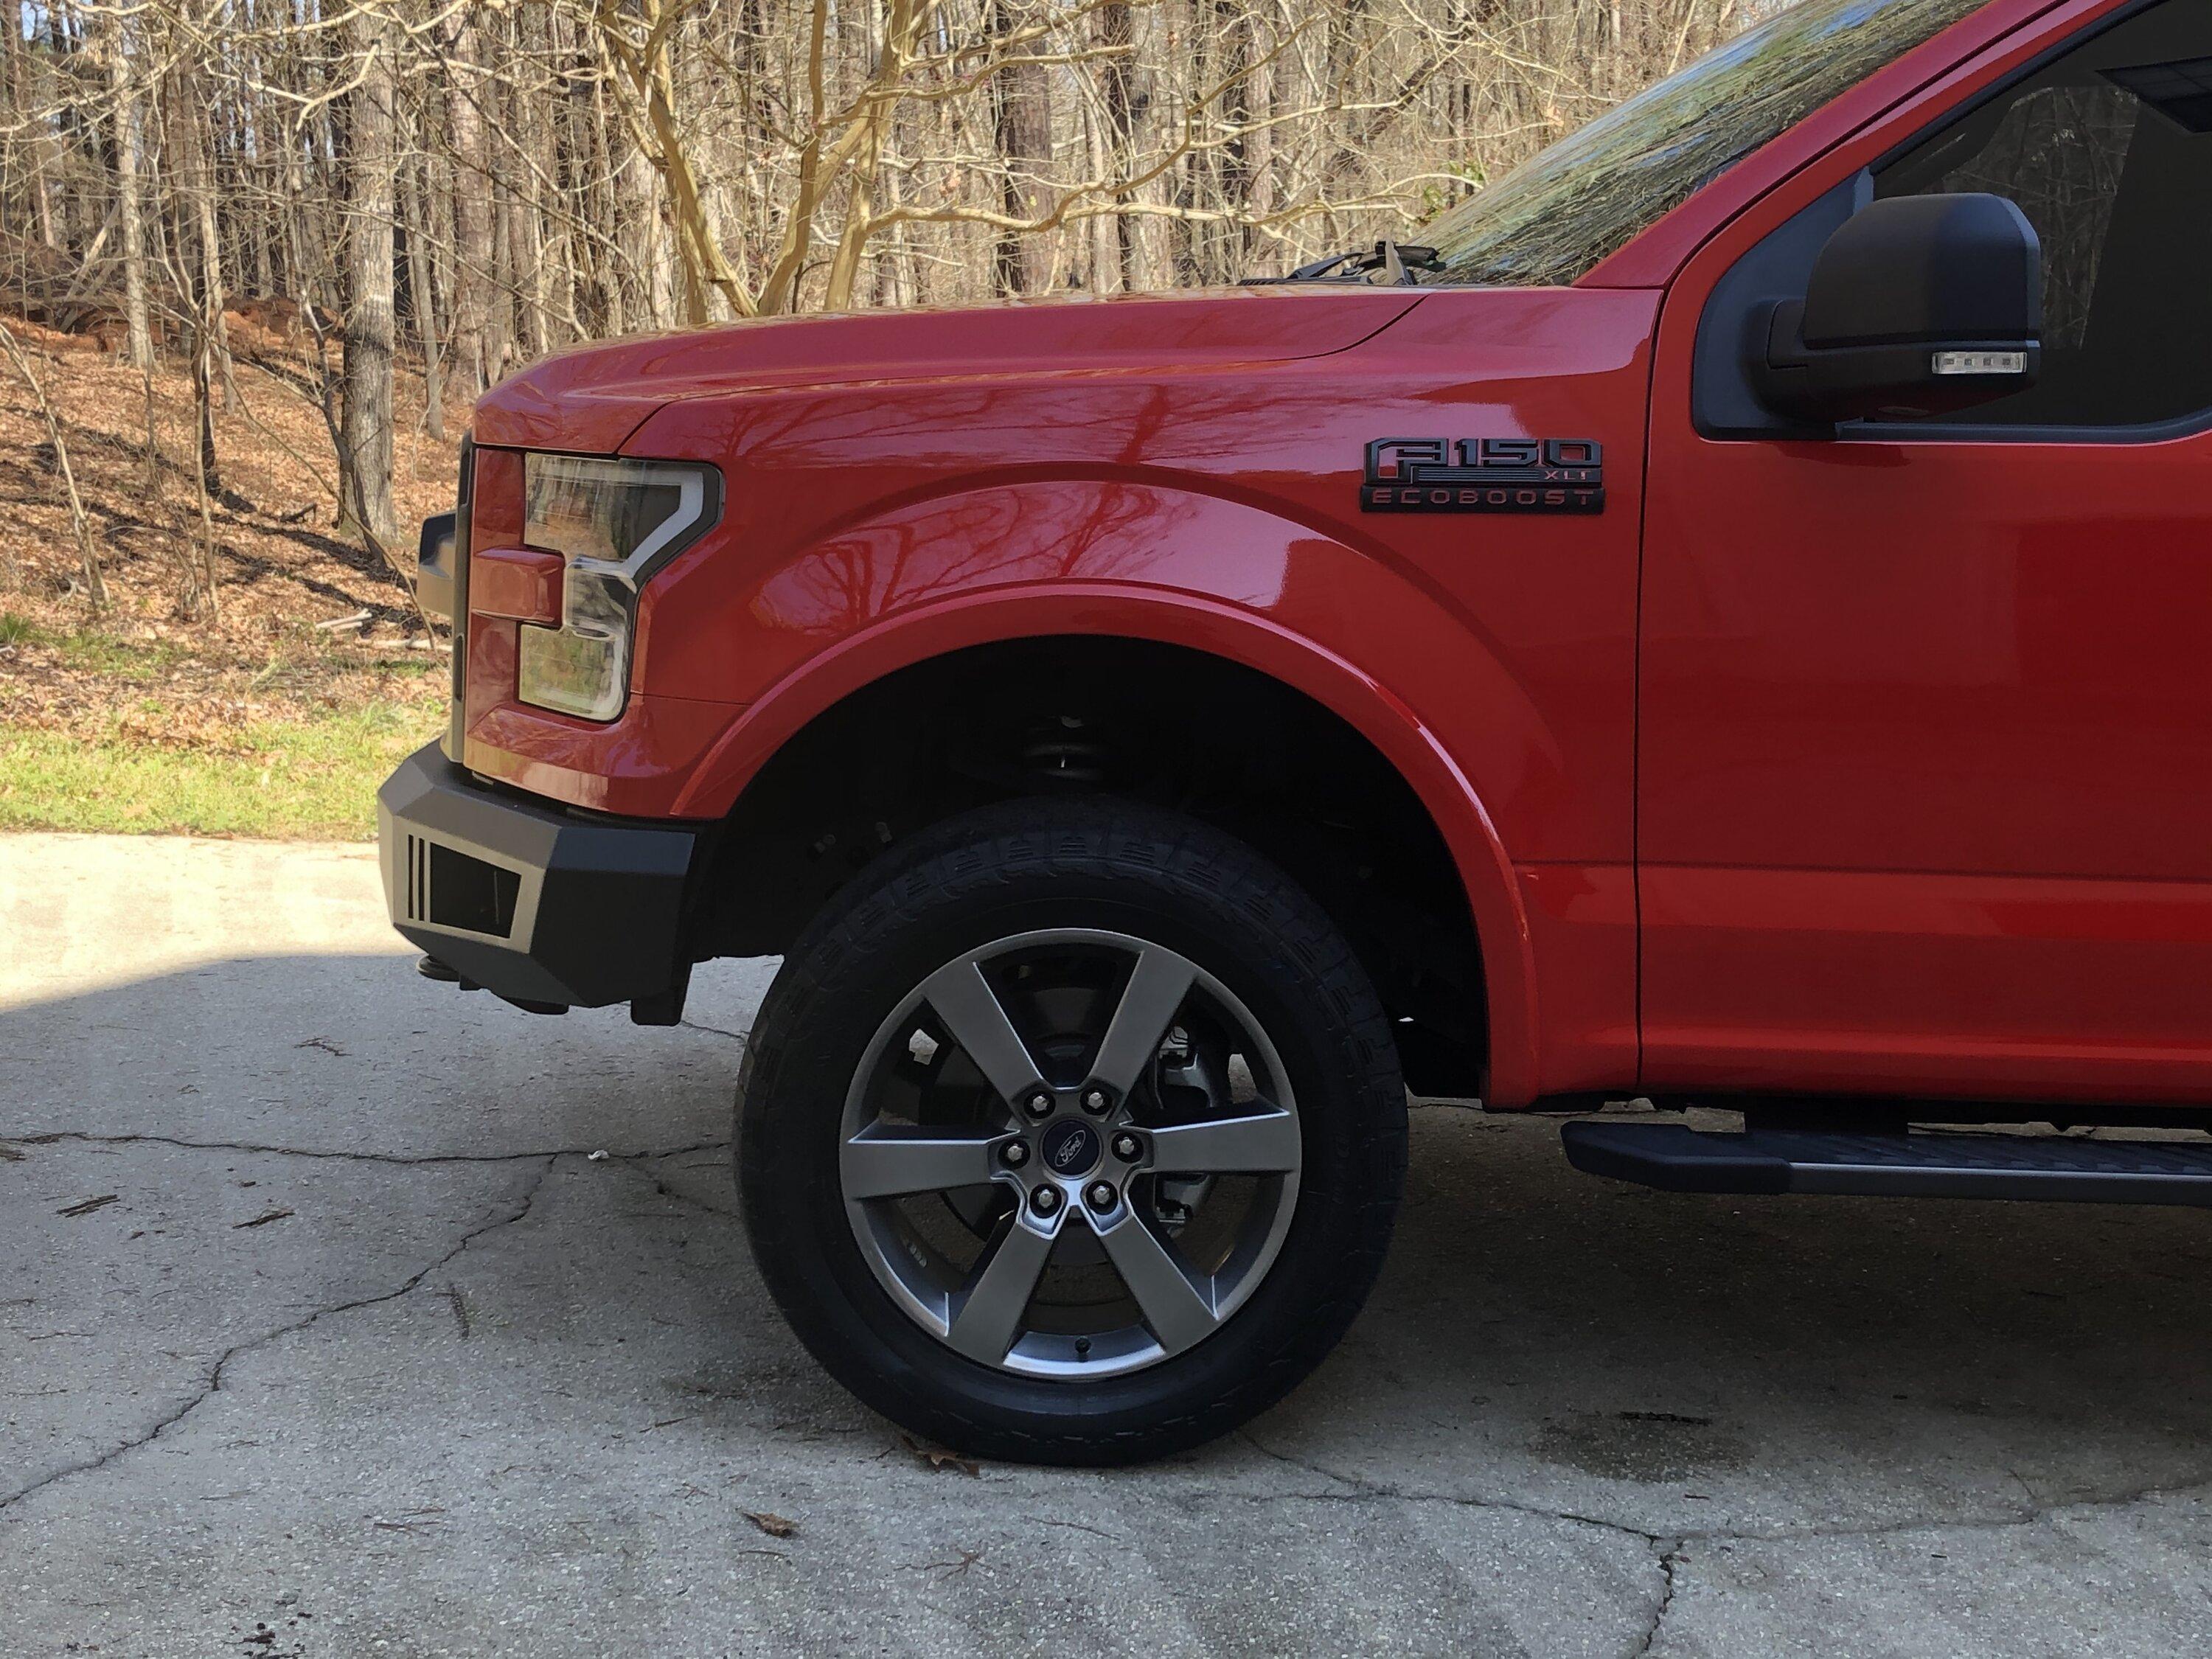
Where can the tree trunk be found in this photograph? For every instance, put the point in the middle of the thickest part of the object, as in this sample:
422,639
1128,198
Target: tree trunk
1104,241
528,129
122,80
422,292
35,143
472,216
1022,98
365,435
201,125
1131,101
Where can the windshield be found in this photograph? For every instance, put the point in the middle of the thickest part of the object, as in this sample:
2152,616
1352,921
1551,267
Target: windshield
1554,217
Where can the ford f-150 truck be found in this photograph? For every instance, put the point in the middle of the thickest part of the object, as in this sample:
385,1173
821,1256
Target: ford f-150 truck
1722,621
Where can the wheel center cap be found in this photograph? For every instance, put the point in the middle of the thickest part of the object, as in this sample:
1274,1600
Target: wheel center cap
1070,1148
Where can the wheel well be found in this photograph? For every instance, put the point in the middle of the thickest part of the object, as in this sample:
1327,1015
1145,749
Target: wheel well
1177,728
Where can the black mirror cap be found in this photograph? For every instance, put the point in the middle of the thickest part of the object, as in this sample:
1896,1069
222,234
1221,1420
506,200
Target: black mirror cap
1927,270
1916,305
433,567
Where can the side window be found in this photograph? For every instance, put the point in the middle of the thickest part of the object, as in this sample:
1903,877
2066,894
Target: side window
2108,151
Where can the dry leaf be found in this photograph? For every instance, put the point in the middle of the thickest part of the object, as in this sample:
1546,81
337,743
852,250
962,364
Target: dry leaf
938,1458
776,1526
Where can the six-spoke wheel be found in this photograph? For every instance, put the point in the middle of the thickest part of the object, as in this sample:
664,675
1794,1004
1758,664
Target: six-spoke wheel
1071,1132
1159,1134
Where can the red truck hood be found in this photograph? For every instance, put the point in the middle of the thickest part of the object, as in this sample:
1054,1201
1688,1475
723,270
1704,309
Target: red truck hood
593,398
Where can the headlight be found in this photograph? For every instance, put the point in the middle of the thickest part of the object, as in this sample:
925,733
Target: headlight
615,523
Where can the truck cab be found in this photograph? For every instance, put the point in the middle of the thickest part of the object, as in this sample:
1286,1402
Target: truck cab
1715,623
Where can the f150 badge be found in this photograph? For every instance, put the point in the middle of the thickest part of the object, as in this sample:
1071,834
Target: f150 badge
1484,475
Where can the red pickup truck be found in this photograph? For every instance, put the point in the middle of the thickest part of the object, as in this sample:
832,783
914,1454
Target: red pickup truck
1725,622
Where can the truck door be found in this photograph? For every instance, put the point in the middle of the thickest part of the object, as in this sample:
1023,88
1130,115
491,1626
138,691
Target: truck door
1925,756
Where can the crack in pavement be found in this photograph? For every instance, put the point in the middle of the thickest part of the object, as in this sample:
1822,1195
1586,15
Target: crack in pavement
1670,1544
213,1382
48,1137
1363,1489
1669,1555
1666,1549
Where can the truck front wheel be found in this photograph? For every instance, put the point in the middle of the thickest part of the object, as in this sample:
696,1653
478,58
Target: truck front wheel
1071,1132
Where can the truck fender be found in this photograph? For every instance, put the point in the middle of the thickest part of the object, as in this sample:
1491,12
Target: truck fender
949,573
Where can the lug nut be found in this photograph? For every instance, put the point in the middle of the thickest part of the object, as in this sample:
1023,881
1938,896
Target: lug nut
1127,1148
1014,1154
1045,1200
1096,1100
1038,1105
1101,1195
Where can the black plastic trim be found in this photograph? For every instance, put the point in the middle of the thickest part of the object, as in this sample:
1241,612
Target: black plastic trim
1675,1158
1731,330
434,565
598,917
463,504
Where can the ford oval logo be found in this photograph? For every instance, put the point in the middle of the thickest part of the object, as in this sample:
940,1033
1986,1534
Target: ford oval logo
1070,1148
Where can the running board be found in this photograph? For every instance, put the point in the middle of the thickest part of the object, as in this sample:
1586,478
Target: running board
1682,1160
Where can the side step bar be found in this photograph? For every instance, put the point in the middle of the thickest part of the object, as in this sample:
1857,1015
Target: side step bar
1677,1159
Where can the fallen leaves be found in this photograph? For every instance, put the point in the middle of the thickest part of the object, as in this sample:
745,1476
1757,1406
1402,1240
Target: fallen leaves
936,1458
776,1526
279,576
86,1206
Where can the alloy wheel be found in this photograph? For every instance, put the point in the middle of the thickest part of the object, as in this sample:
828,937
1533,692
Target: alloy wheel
1070,1154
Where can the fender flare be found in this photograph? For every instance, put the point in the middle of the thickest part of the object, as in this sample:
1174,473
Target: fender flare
993,615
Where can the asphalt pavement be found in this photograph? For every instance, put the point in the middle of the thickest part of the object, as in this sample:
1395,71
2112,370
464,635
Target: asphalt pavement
345,1315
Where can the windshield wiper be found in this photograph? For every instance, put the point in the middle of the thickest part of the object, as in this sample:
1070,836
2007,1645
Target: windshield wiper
1388,264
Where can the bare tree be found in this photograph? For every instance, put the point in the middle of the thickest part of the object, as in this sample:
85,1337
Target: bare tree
364,433
1021,99
422,300
122,82
542,171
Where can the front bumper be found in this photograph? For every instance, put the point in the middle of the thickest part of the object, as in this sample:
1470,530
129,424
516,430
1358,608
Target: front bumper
532,902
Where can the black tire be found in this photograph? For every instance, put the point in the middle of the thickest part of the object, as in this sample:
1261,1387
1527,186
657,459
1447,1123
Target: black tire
1071,863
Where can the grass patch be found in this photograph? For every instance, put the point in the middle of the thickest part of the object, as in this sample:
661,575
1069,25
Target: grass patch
16,628
312,777
91,652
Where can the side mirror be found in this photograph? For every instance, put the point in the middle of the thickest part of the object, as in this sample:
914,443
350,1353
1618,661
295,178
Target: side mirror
434,567
1918,305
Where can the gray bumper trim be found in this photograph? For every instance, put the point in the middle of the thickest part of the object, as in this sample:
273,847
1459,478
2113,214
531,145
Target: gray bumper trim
590,912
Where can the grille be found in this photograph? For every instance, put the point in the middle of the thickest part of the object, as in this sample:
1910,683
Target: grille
447,888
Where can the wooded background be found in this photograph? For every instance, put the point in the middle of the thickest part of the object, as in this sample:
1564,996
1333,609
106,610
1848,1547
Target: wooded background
316,192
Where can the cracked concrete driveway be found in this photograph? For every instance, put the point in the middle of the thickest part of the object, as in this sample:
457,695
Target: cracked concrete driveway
327,1330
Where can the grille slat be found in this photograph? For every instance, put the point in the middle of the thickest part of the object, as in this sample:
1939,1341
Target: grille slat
418,879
